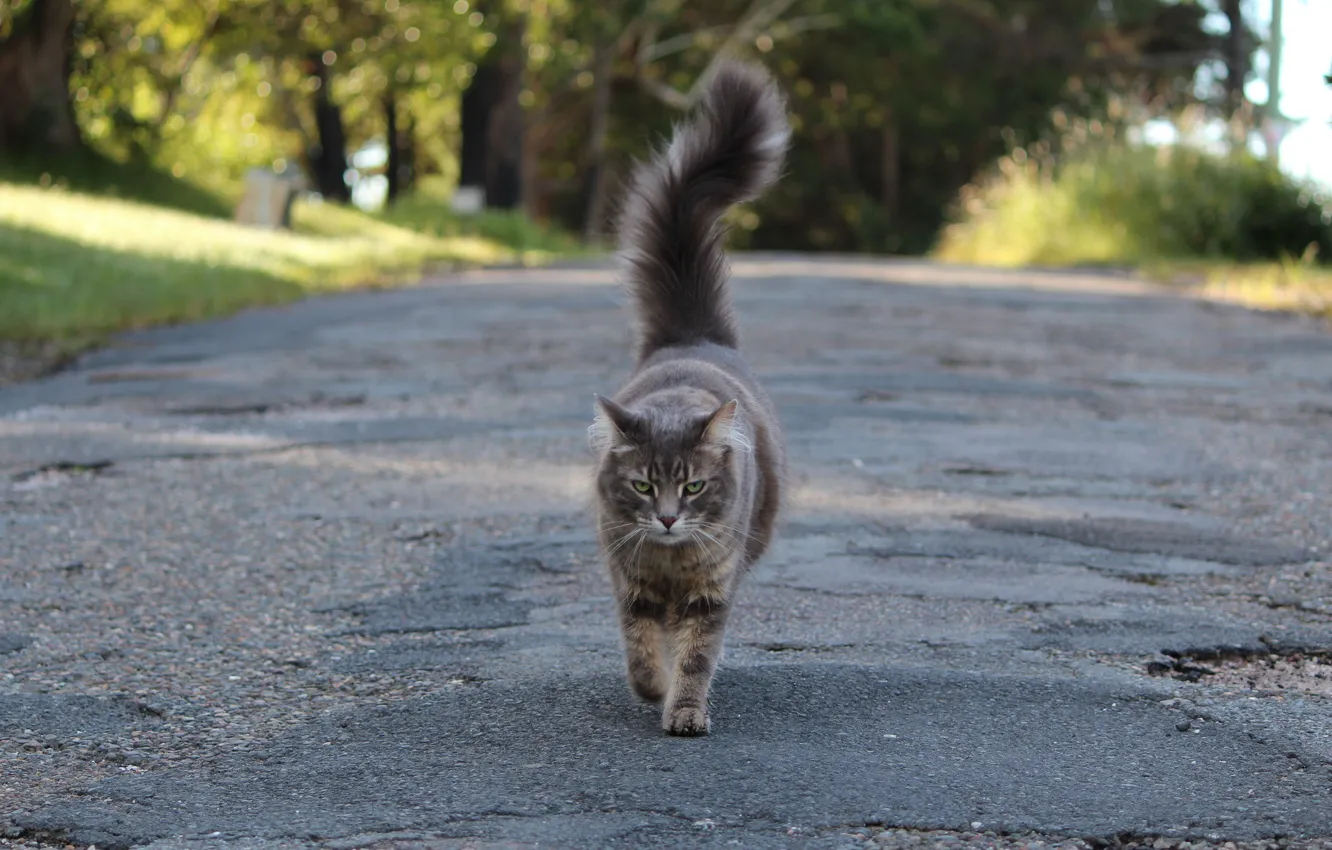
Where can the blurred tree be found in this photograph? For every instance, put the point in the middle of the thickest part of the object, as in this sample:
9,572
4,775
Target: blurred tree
599,77
218,86
890,125
492,119
35,109
131,64
545,103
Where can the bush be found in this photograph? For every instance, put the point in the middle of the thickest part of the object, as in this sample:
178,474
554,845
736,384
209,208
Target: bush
1128,204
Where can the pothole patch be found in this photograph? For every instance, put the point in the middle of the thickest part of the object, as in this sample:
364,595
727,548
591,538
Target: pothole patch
1294,671
54,474
259,407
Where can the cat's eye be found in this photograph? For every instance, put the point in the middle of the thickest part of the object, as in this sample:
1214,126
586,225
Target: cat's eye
643,486
694,487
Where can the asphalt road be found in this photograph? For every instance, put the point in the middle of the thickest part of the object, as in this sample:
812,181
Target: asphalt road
1055,566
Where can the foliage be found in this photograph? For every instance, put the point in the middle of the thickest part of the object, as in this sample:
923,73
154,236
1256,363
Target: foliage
896,106
210,89
1108,202
892,123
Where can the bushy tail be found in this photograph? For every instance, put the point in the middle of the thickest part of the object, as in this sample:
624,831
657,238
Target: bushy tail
670,236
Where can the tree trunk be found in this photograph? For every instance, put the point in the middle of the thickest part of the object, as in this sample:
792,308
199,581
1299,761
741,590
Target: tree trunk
493,122
504,165
478,102
892,169
328,157
594,186
407,155
35,109
1237,64
393,168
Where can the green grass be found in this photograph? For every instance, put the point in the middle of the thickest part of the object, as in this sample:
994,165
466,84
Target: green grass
92,173
75,266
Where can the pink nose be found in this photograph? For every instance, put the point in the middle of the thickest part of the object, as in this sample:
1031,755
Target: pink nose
667,521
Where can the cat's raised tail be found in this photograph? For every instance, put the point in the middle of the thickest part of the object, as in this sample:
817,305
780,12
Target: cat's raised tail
670,227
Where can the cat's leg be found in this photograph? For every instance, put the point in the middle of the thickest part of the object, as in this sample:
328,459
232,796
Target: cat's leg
644,636
696,638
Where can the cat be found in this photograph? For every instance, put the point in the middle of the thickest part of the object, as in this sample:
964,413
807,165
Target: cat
691,457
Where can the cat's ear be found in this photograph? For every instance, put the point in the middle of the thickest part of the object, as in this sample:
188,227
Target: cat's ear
613,426
722,428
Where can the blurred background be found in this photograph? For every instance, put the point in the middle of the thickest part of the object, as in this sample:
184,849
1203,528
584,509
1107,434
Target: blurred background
183,158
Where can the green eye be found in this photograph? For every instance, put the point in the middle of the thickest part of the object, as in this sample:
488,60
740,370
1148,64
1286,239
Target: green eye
643,486
694,487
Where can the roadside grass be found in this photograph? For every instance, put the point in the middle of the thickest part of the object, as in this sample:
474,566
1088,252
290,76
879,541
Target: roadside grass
91,173
78,265
1284,286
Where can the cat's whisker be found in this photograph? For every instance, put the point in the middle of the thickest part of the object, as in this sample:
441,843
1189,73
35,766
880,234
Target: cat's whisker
624,541
740,535
708,536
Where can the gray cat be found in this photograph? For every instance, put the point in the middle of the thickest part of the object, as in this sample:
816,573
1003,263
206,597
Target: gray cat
691,457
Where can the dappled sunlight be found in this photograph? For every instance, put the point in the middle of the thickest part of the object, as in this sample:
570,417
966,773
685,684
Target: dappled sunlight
107,264
155,231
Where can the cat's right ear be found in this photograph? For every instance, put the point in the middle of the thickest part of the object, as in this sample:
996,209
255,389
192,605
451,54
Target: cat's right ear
612,426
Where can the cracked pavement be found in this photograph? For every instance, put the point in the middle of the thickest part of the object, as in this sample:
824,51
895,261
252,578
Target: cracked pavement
1055,564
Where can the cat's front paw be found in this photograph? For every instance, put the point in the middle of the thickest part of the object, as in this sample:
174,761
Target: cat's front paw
686,720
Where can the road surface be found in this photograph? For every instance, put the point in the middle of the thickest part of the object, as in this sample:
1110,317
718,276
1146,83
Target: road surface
1055,566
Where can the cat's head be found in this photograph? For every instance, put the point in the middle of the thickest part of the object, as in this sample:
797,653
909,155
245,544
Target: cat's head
667,473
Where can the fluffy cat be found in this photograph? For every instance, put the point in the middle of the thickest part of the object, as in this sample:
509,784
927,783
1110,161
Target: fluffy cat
690,452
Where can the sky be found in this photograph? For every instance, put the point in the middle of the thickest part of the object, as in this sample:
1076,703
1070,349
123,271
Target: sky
1305,96
1306,99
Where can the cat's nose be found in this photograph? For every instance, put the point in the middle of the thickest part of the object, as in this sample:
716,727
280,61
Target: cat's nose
667,521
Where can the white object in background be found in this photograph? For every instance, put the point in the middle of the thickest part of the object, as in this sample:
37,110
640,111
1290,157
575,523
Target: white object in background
469,200
265,198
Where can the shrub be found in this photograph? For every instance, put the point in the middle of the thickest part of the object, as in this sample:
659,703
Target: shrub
1115,203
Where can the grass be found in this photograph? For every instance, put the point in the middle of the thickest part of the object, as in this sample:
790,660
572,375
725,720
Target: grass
91,173
78,265
1286,286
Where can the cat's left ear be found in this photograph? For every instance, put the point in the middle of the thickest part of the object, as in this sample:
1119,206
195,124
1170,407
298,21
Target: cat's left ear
723,427
613,426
